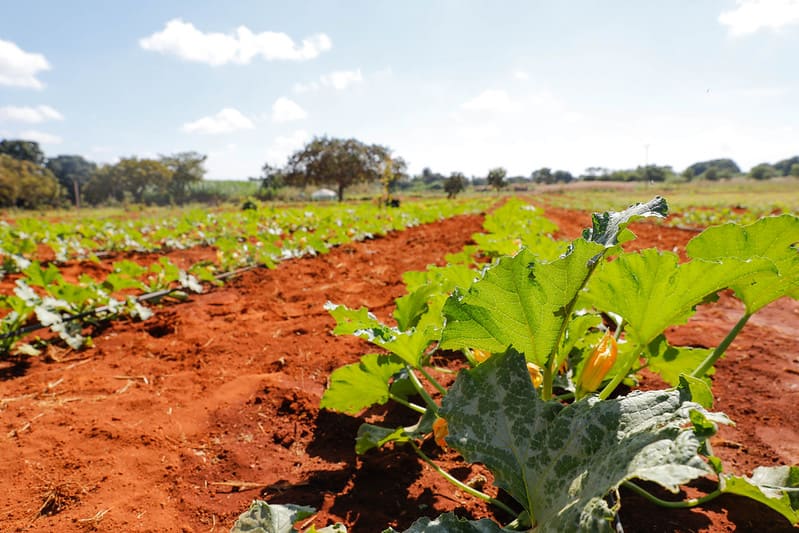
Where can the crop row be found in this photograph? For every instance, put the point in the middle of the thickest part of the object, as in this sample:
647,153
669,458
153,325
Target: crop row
548,331
41,297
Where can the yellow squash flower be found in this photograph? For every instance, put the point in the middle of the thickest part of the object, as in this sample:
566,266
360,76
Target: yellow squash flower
440,430
535,374
599,363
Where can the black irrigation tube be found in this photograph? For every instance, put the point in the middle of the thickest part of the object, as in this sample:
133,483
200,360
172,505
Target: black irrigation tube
143,298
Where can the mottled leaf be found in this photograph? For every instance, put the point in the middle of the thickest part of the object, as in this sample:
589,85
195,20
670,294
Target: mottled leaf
560,462
449,523
606,227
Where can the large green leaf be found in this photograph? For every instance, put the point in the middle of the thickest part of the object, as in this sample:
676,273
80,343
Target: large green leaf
359,385
652,291
775,486
560,462
520,301
774,238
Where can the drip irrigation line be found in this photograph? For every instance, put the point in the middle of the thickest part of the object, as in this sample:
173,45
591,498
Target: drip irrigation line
103,309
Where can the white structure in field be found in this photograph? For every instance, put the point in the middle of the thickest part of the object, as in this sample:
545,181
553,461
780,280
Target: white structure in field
324,194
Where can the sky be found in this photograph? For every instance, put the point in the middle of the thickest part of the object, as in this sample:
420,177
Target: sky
453,85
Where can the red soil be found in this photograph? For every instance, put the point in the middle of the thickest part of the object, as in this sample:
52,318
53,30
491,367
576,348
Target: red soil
177,423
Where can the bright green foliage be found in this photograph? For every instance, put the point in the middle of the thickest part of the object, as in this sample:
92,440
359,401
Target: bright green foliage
520,302
652,291
359,385
263,517
427,291
776,486
408,345
773,238
560,462
518,224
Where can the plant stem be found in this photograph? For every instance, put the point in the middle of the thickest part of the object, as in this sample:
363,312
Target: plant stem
550,368
431,404
702,369
460,484
684,504
433,380
410,405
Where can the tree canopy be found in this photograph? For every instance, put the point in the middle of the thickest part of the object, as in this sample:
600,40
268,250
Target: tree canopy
454,184
72,172
22,150
496,178
26,184
338,163
186,168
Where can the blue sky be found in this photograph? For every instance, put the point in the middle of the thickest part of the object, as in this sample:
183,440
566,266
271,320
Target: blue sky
454,85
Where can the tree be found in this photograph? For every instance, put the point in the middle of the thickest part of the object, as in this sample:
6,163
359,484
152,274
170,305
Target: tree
496,178
26,184
131,176
335,162
763,171
724,168
393,171
454,184
72,172
23,150
186,168
562,176
785,166
542,175
794,170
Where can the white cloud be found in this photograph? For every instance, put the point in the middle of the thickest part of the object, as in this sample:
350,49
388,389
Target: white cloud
339,80
226,121
40,137
31,115
286,110
749,16
187,42
490,100
519,74
284,146
18,68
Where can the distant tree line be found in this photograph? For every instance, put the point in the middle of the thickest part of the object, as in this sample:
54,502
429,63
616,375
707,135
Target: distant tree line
28,179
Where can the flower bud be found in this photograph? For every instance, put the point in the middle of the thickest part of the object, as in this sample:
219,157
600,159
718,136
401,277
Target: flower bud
480,355
599,363
535,374
440,430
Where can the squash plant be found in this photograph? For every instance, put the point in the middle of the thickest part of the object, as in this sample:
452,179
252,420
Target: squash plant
572,324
